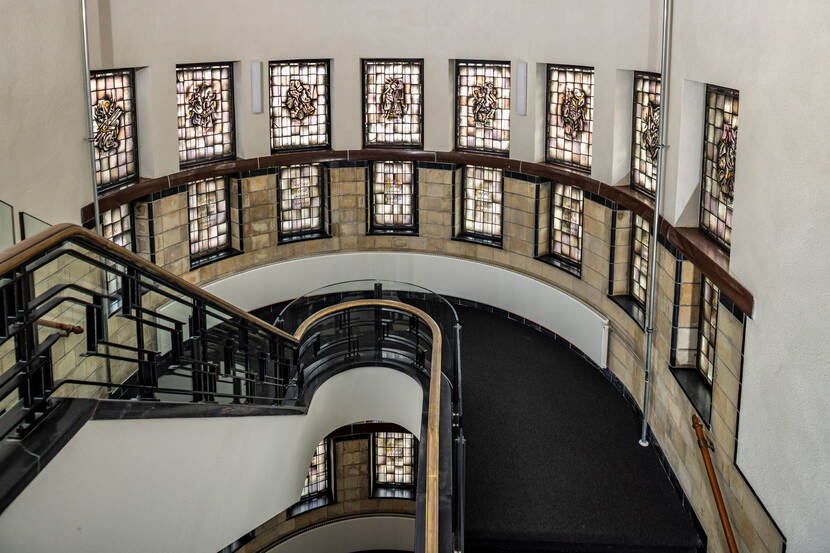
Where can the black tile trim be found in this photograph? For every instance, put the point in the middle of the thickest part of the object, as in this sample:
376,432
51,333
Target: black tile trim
347,164
730,306
524,177
172,191
610,204
256,173
573,269
436,165
491,242
631,308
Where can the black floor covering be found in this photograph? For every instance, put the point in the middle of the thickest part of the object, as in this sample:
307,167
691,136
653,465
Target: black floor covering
553,461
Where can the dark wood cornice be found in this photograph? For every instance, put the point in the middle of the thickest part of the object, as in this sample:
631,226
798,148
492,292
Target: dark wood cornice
692,243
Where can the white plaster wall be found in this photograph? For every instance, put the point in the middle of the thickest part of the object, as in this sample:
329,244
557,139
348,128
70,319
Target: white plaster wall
357,534
184,485
159,34
44,157
776,55
514,292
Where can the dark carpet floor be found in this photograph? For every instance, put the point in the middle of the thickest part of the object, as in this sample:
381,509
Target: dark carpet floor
553,461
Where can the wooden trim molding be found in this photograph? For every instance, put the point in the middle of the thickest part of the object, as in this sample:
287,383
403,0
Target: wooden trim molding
692,243
434,412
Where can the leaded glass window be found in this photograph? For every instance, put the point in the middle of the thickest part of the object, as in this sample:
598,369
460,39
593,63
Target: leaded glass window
301,200
300,104
566,224
395,458
708,328
317,479
720,136
644,132
393,197
207,202
116,226
482,201
205,112
640,237
393,102
570,115
482,108
112,94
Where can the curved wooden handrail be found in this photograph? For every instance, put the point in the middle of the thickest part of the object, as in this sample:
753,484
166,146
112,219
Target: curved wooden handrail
30,248
66,328
690,241
703,444
433,413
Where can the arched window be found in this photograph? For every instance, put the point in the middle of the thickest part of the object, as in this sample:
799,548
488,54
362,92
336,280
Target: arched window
570,115
300,104
482,106
644,132
204,95
393,102
720,136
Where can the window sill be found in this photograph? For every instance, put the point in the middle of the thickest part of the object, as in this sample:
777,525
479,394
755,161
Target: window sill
393,231
575,168
567,266
294,238
208,259
309,504
634,309
697,389
393,492
484,241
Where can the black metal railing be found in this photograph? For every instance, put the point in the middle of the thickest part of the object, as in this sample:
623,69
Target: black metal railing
81,317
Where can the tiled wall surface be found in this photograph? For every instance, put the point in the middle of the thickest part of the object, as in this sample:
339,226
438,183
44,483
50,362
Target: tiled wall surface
351,478
439,213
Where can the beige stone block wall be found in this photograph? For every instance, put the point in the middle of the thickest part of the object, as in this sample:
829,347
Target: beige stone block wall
670,410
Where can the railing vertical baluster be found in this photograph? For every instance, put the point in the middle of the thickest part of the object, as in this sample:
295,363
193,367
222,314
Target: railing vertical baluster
131,296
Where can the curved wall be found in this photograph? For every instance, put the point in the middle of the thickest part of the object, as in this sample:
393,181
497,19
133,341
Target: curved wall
357,534
552,308
775,55
153,473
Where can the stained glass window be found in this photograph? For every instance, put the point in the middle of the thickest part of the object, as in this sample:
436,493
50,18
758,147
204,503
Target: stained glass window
644,132
482,201
708,328
207,201
394,458
393,102
301,200
482,106
566,224
300,106
570,115
116,226
393,195
720,136
205,111
317,479
114,127
640,237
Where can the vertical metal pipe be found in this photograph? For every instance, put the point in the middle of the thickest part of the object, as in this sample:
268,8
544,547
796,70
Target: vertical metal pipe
103,274
655,225
89,117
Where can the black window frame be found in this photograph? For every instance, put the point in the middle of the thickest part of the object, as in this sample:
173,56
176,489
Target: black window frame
405,230
325,209
363,101
457,147
327,145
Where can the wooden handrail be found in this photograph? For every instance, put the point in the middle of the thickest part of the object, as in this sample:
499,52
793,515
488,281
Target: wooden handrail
433,414
706,255
65,327
30,248
704,444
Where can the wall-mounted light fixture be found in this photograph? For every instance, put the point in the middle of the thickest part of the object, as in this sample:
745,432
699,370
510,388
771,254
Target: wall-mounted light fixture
256,86
521,88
